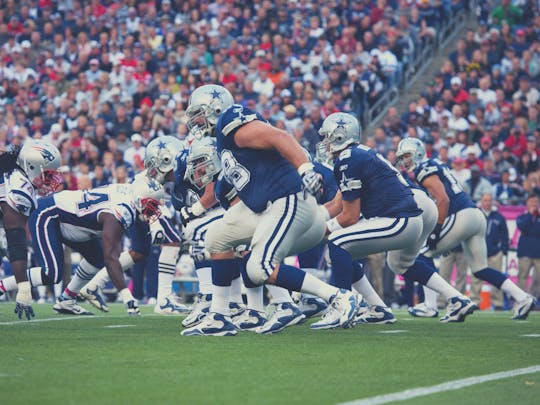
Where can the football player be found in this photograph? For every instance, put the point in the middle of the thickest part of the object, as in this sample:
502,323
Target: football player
376,211
458,221
275,183
91,222
26,173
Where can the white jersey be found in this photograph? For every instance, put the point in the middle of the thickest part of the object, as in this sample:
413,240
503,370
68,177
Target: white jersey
79,210
18,192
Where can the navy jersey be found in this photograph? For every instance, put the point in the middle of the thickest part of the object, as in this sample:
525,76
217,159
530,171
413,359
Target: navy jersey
458,198
224,192
330,187
259,176
184,193
363,173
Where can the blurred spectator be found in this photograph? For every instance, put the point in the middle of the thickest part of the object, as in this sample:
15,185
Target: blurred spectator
477,185
529,241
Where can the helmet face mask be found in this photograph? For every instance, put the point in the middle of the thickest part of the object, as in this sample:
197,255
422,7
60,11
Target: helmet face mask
40,161
148,196
205,106
160,157
339,130
410,152
203,163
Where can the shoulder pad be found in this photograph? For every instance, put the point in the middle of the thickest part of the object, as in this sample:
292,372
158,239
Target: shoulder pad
234,117
345,154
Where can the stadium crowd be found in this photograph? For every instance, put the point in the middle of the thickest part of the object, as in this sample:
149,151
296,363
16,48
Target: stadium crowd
100,79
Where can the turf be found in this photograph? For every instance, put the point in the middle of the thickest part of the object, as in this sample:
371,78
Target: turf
145,360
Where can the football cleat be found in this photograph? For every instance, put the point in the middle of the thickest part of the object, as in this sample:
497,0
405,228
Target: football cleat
312,306
458,308
237,309
169,306
249,320
285,314
95,298
523,308
376,315
340,313
213,324
68,306
200,308
423,311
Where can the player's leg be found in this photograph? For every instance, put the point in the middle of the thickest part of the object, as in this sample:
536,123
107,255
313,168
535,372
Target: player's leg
313,261
497,298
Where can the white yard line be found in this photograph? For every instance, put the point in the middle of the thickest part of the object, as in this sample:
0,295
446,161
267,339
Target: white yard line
69,318
118,326
394,331
447,386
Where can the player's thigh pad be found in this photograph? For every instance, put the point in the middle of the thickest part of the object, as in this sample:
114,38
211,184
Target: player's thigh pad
429,214
475,248
196,229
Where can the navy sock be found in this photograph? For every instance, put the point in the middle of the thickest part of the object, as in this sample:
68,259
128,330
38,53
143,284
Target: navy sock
422,270
342,267
492,276
223,272
358,270
290,278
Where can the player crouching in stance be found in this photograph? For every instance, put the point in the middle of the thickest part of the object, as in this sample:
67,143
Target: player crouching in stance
91,222
26,173
376,211
459,221
275,182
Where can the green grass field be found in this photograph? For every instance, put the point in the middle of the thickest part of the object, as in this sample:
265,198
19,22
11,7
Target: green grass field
117,359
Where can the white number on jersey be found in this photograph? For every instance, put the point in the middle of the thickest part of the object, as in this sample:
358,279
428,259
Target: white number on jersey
235,173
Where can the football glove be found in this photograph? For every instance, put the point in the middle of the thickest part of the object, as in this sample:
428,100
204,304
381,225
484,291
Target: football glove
186,215
23,301
196,250
133,308
434,238
312,182
157,234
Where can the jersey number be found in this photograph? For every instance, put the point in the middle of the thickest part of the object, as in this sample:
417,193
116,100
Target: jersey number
235,173
386,162
90,199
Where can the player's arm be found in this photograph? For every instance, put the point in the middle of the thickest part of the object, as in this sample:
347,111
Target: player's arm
436,190
334,206
207,201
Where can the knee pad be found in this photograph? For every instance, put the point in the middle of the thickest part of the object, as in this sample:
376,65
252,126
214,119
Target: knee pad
16,241
46,280
255,272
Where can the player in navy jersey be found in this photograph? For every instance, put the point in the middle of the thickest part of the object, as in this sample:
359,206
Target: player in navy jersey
459,222
376,210
275,182
92,223
25,174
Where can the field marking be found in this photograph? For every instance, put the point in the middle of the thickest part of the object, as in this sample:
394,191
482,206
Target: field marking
447,386
118,326
394,331
531,335
69,318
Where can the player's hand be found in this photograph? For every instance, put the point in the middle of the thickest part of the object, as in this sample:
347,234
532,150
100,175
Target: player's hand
186,215
197,251
312,182
434,238
157,234
23,300
133,308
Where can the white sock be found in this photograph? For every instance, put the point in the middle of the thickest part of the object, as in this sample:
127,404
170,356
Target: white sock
236,290
314,286
166,269
84,272
9,284
34,276
220,300
255,298
102,276
438,284
42,291
278,294
511,289
204,274
364,287
58,288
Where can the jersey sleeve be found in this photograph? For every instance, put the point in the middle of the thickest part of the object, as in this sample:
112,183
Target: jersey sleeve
124,212
348,182
425,170
20,194
235,117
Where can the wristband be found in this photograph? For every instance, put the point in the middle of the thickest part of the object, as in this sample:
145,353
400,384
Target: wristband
333,225
305,167
126,296
197,209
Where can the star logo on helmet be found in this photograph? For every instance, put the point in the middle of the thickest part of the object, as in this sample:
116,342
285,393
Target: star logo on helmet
341,123
215,94
162,145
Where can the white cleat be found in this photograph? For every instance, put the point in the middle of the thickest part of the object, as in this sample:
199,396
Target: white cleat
285,314
95,298
312,306
213,324
200,308
340,313
458,308
69,307
249,320
423,311
376,315
169,306
524,307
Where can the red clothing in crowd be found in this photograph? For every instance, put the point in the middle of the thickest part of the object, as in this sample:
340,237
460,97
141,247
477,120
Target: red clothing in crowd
517,144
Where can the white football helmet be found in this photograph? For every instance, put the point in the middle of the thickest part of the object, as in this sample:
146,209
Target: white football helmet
205,106
339,130
148,196
40,161
410,152
160,157
203,162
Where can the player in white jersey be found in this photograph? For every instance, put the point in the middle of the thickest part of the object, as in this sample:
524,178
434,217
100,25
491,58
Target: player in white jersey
25,174
91,222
